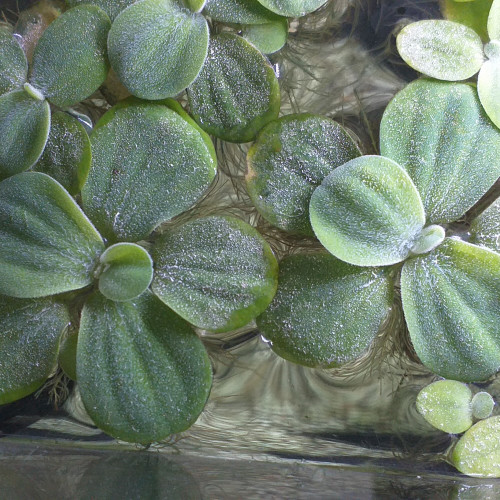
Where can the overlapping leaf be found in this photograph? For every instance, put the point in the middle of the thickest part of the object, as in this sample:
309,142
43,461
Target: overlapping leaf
238,12
269,37
292,8
13,63
485,229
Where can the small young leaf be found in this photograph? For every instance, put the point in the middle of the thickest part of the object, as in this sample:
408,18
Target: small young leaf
148,165
29,340
237,91
442,49
292,8
477,453
451,305
111,7
13,63
70,60
290,158
269,37
238,12
47,245
67,154
482,405
494,21
216,272
367,212
446,405
157,47
440,134
195,5
485,229
24,128
473,14
325,312
127,271
140,387
488,88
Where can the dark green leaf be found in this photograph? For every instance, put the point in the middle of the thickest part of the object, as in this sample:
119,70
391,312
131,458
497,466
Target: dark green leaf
142,371
236,93
157,47
292,8
47,245
485,229
325,312
216,272
440,134
269,37
291,157
67,154
29,341
111,7
24,128
148,165
70,61
238,12
13,63
451,301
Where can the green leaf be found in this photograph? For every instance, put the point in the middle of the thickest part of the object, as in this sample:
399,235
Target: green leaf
216,272
473,14
127,271
290,158
488,88
367,212
47,245
482,405
451,305
13,63
195,5
111,7
269,37
29,341
440,134
325,312
67,155
238,12
237,91
157,47
70,60
446,405
292,8
477,453
494,21
140,388
485,229
67,353
442,49
24,128
148,165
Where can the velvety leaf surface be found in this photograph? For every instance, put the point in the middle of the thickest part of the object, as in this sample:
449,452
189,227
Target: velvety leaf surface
29,341
269,37
494,21
47,245
238,12
67,154
291,157
478,451
482,405
13,63
111,7
142,371
24,128
292,8
148,165
440,134
157,47
367,212
446,405
485,229
451,300
127,271
236,93
216,272
488,88
325,312
473,14
441,49
70,60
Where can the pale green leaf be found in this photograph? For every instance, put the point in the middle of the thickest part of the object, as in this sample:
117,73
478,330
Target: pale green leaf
325,312
269,37
157,47
446,405
216,272
367,212
451,301
485,229
441,49
29,341
488,88
126,271
111,7
292,8
291,157
238,12
195,5
13,63
237,91
142,371
482,405
494,21
47,245
70,60
148,165
473,14
440,134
